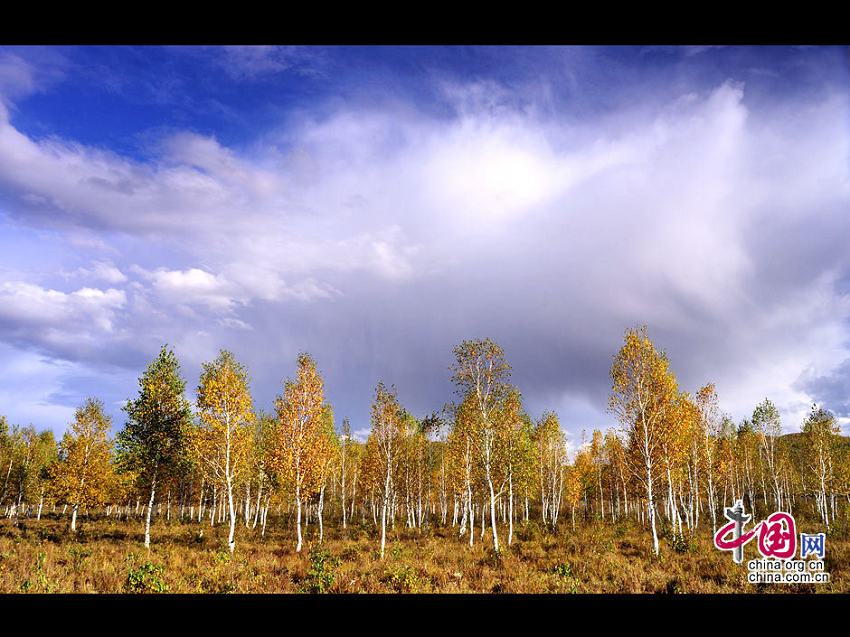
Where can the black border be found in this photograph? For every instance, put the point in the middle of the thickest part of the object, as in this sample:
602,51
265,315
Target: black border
357,23
720,614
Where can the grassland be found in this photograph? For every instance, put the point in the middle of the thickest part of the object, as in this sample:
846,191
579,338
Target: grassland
107,556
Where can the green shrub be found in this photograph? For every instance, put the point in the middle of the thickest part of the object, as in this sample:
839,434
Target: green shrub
223,557
323,566
680,544
41,583
78,556
396,551
403,578
564,577
146,578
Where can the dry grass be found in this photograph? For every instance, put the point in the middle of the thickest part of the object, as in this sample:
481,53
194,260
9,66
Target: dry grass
43,556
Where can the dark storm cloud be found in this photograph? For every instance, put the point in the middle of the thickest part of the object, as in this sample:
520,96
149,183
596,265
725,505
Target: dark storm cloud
832,390
379,234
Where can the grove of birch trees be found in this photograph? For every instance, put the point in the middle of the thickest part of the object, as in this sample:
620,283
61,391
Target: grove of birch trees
478,468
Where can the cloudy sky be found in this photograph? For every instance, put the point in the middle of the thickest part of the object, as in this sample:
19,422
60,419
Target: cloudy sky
375,206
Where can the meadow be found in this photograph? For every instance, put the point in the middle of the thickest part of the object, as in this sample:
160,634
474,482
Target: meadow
107,556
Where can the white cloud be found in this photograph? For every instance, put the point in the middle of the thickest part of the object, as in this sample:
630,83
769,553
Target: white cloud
28,304
17,76
192,286
223,293
66,325
26,71
100,271
361,435
234,323
252,61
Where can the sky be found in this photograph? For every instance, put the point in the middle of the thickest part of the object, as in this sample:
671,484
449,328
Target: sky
374,206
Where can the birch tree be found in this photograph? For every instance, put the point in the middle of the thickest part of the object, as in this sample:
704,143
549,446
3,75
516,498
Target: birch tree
82,473
262,466
551,459
345,439
46,453
481,370
584,473
37,451
326,451
298,431
710,423
745,463
518,449
153,442
221,443
673,438
354,463
387,434
768,425
616,454
599,460
821,433
572,491
642,393
7,457
463,461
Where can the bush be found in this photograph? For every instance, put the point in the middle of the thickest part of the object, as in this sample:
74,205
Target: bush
563,570
78,556
403,579
223,557
396,551
680,544
320,577
41,584
147,578
564,577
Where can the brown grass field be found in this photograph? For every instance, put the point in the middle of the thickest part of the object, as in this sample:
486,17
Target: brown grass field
107,556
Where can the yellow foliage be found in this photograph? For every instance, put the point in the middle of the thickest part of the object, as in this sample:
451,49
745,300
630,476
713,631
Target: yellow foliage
84,473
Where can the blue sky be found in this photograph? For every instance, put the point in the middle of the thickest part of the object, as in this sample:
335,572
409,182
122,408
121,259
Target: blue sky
376,205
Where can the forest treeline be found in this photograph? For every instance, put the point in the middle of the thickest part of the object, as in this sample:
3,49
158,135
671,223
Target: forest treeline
481,465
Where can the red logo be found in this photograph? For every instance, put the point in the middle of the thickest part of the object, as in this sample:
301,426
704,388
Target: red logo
777,535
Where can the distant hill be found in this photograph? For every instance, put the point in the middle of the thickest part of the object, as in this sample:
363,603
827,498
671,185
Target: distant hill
796,443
